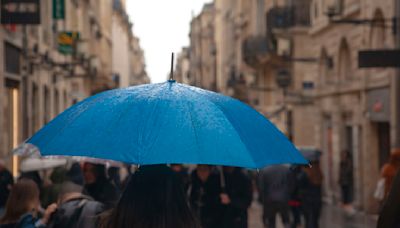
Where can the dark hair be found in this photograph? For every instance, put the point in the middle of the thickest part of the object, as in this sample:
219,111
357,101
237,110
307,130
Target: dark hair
153,198
75,174
23,196
99,170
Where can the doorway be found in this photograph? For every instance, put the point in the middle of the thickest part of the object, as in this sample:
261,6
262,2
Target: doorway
12,126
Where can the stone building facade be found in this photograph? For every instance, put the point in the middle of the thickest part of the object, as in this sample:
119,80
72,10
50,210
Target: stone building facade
299,67
202,52
128,57
37,81
354,106
138,74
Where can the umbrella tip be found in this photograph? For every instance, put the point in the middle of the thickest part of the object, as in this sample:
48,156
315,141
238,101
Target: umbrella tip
171,76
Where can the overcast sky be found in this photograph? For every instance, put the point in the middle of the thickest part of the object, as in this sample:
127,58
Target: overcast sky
163,27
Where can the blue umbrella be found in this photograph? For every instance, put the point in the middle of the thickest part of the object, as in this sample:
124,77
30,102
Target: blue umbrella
166,123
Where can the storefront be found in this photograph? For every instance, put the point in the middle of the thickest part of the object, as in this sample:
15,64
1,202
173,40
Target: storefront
379,116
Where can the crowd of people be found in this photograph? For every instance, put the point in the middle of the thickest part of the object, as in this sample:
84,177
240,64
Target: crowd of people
89,195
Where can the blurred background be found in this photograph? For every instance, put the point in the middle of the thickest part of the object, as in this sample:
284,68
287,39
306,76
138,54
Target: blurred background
325,72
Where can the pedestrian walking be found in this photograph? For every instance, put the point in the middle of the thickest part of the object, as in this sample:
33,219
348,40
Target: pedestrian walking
295,198
276,187
6,182
183,175
75,209
114,177
75,174
346,180
22,207
153,198
310,190
97,186
51,191
204,196
390,213
236,198
390,169
34,176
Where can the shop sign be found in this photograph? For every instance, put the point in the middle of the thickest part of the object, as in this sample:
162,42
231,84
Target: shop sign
379,105
67,42
25,12
58,9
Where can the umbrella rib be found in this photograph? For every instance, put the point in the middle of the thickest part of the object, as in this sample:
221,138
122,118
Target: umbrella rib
193,128
229,121
280,152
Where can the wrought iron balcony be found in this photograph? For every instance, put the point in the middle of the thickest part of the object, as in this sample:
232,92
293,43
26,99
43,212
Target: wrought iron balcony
297,14
256,49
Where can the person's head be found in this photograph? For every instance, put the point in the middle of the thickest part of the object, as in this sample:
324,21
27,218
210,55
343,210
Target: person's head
75,174
23,198
203,172
93,172
2,164
176,167
314,173
153,198
345,155
395,158
69,189
229,169
113,172
58,175
34,176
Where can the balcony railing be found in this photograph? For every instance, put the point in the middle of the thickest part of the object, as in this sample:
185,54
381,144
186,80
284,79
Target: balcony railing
256,48
297,14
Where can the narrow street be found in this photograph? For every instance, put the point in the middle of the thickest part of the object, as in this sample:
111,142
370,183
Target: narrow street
332,217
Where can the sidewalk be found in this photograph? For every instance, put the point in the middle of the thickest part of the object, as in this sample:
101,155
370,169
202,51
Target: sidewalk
332,217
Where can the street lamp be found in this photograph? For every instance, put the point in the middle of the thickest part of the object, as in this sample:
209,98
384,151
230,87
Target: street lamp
283,79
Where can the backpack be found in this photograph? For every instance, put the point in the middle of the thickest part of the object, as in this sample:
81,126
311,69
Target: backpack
81,212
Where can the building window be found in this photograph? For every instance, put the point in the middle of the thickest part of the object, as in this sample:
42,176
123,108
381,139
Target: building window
325,68
66,105
56,102
377,36
46,107
35,108
13,61
345,65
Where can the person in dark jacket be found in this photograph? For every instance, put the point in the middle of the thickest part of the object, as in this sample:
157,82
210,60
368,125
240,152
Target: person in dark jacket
6,182
310,190
75,209
183,175
276,187
114,177
51,192
346,180
75,174
236,198
97,186
390,213
23,205
204,196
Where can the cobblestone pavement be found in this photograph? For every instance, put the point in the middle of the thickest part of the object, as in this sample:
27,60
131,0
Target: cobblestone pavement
332,217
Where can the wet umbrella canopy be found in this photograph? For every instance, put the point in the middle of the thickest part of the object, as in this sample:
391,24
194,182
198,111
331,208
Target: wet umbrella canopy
166,123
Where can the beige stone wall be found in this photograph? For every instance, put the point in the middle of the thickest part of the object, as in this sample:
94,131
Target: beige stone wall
341,96
333,115
202,53
120,51
42,90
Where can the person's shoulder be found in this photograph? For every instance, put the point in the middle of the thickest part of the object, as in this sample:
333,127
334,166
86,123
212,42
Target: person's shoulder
387,170
8,225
